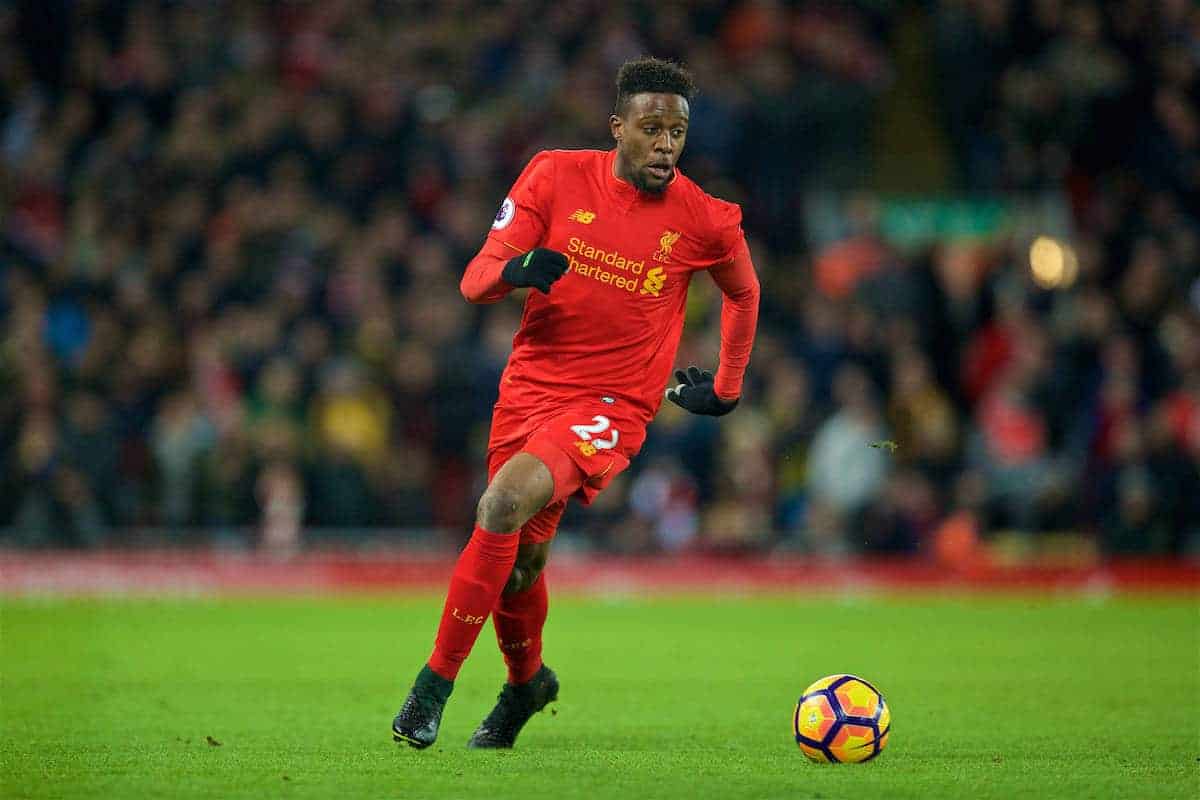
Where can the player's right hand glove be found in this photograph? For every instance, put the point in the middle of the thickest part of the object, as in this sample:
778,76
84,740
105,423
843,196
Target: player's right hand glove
695,393
538,268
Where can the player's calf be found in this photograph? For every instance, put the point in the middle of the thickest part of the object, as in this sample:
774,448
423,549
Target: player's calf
531,560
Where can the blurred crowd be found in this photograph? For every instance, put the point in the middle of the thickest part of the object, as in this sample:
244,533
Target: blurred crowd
232,234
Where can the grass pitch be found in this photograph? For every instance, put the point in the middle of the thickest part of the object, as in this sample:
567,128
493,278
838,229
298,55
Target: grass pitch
689,698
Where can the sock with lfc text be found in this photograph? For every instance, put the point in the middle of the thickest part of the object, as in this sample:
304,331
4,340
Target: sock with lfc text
519,619
482,570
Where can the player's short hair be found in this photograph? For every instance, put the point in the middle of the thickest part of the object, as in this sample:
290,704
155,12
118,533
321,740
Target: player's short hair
649,74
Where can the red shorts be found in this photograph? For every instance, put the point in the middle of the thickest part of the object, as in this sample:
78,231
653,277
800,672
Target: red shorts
585,443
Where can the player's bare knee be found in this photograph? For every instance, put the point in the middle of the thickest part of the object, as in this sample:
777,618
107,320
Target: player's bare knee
500,510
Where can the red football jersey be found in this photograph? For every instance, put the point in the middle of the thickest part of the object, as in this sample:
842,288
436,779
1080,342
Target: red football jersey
611,325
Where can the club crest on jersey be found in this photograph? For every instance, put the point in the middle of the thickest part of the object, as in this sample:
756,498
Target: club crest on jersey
655,279
582,217
508,210
665,243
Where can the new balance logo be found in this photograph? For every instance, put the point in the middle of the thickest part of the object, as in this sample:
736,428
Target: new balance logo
582,217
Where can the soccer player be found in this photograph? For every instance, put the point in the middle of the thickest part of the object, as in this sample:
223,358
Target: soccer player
608,241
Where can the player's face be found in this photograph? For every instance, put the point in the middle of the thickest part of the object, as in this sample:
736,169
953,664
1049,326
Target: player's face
650,136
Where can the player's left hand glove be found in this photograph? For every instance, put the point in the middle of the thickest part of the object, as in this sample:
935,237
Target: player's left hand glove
695,393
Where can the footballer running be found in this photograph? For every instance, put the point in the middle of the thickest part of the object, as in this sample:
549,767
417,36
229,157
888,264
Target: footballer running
608,241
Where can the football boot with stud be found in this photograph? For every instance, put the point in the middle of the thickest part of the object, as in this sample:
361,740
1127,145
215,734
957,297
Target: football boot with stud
514,708
418,721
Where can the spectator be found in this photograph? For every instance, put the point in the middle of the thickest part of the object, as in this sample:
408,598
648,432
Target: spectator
847,463
180,437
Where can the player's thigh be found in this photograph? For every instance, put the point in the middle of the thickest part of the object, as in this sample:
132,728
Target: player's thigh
585,448
581,448
566,475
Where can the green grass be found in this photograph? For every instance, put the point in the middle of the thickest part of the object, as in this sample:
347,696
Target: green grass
688,698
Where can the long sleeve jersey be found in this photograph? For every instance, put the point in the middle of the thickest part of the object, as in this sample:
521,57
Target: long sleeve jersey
611,325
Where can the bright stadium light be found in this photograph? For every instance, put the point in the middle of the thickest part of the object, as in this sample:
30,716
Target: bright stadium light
1053,263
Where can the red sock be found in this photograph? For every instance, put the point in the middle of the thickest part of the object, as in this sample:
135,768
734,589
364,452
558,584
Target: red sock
482,570
519,619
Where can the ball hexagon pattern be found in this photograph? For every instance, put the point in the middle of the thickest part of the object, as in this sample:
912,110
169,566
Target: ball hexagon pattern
815,717
841,719
857,698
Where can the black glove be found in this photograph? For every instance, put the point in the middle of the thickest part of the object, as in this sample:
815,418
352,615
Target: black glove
538,268
695,393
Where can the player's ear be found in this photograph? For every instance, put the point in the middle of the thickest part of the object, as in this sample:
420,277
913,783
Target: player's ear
615,124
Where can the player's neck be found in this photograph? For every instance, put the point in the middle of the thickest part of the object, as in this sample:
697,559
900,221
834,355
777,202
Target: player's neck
622,171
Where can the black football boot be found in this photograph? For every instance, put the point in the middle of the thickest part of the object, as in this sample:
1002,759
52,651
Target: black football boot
418,721
515,706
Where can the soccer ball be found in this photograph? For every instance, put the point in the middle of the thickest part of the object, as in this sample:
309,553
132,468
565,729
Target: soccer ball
841,719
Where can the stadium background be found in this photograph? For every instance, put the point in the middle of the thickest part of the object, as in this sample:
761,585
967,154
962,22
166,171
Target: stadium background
242,404
232,235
